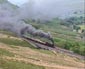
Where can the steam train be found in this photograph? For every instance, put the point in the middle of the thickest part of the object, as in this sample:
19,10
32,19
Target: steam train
26,30
40,42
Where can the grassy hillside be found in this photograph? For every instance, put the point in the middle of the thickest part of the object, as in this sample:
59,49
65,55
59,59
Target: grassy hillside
17,54
63,35
7,2
2,1
9,64
82,26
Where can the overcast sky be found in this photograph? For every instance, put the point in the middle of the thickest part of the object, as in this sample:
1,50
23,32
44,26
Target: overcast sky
18,2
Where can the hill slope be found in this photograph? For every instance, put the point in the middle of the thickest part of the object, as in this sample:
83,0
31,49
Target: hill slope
17,54
7,9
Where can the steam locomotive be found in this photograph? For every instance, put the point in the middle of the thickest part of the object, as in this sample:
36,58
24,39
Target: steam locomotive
25,30
40,42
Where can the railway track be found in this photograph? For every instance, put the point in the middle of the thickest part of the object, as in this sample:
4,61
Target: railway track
42,45
69,53
60,50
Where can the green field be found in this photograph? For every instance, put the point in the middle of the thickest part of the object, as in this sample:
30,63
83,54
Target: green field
82,26
6,64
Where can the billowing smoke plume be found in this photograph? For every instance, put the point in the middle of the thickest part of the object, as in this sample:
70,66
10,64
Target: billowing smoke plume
11,21
20,28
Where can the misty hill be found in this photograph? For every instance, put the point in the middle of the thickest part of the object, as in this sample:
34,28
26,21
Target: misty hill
46,9
7,9
10,20
42,9
18,54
